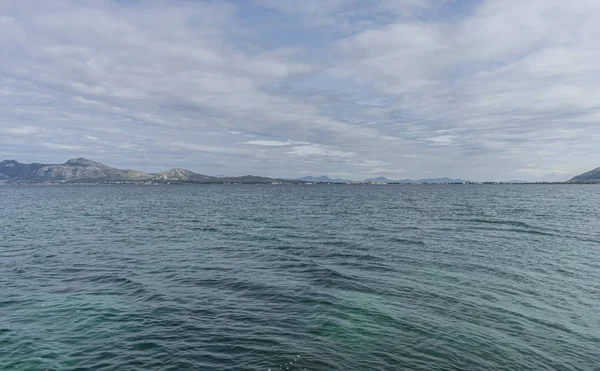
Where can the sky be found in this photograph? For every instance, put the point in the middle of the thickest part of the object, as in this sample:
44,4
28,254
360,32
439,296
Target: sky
474,89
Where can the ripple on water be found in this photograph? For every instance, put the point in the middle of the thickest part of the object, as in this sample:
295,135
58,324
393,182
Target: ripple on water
299,278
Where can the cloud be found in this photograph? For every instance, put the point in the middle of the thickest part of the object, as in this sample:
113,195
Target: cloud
24,130
62,146
442,140
511,76
319,150
271,143
475,90
348,16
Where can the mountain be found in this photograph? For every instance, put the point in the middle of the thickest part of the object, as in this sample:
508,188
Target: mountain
75,169
10,169
592,176
181,175
82,170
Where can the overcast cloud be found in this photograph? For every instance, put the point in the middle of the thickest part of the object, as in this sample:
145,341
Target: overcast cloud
483,90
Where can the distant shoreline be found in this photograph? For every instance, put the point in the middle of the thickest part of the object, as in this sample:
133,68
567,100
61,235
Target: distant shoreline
2,183
84,171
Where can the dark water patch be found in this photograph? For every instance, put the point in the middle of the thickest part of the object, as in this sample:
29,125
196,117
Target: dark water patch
515,230
512,223
204,229
406,241
341,243
344,256
284,227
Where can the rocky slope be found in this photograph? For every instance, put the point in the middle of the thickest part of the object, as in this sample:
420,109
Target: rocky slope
182,175
592,176
82,170
78,169
10,169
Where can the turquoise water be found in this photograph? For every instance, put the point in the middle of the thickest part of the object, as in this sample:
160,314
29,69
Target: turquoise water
328,277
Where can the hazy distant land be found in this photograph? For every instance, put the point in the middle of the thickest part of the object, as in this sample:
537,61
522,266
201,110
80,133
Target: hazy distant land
82,170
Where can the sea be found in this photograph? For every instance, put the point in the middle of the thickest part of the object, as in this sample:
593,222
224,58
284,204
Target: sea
300,277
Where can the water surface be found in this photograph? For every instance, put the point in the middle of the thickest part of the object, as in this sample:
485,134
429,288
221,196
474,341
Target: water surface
327,277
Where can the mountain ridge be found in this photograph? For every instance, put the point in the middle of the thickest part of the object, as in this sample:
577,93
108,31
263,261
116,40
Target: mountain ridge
179,174
83,170
592,176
